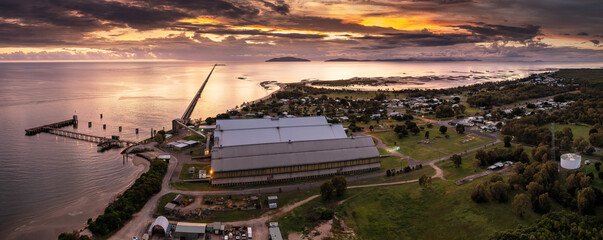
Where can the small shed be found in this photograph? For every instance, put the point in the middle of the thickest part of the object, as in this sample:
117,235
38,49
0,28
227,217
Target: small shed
217,227
202,174
275,233
189,231
165,157
272,201
180,146
191,142
169,207
178,199
160,225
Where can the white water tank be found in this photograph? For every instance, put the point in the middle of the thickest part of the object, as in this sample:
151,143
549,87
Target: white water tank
571,161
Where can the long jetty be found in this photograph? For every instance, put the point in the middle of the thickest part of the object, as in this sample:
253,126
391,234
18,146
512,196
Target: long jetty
53,128
46,128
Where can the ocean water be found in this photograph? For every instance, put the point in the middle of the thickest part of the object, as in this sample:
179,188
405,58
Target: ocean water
51,184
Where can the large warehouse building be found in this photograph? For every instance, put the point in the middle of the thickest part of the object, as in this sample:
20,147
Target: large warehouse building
281,149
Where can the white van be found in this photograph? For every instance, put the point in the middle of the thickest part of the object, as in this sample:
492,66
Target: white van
249,233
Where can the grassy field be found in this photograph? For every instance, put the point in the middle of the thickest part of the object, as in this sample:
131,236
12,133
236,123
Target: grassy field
184,171
383,151
466,168
439,146
392,162
577,130
164,200
597,182
415,174
443,211
195,137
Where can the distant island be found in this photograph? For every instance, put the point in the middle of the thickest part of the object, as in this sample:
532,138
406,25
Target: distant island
345,60
287,59
403,60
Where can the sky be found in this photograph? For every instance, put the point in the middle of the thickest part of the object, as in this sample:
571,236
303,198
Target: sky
245,30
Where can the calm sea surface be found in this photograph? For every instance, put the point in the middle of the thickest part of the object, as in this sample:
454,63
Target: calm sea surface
51,184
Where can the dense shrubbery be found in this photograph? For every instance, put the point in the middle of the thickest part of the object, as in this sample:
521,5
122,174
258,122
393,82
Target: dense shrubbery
557,225
133,199
511,93
539,180
335,186
71,236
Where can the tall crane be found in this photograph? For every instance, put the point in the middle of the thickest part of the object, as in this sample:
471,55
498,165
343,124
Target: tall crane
186,117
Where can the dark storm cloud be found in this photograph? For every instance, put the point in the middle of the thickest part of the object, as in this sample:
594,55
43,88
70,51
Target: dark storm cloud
503,32
280,7
444,1
418,39
209,7
596,42
225,31
326,24
14,35
582,34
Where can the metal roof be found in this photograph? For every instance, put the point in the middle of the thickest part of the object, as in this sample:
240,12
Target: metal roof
237,132
184,227
275,233
233,124
259,156
160,221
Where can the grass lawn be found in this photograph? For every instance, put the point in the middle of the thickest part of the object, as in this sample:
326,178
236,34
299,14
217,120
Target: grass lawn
597,182
164,200
466,168
445,211
383,151
577,130
439,146
392,162
195,137
197,152
195,186
184,171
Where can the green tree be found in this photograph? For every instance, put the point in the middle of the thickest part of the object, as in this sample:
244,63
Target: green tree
515,180
507,141
476,164
424,181
479,194
460,129
443,129
456,160
340,185
67,236
415,130
587,200
544,203
499,191
327,190
521,204
444,111
534,189
596,139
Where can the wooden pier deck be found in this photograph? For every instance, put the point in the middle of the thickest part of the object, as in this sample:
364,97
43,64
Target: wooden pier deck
45,128
53,128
